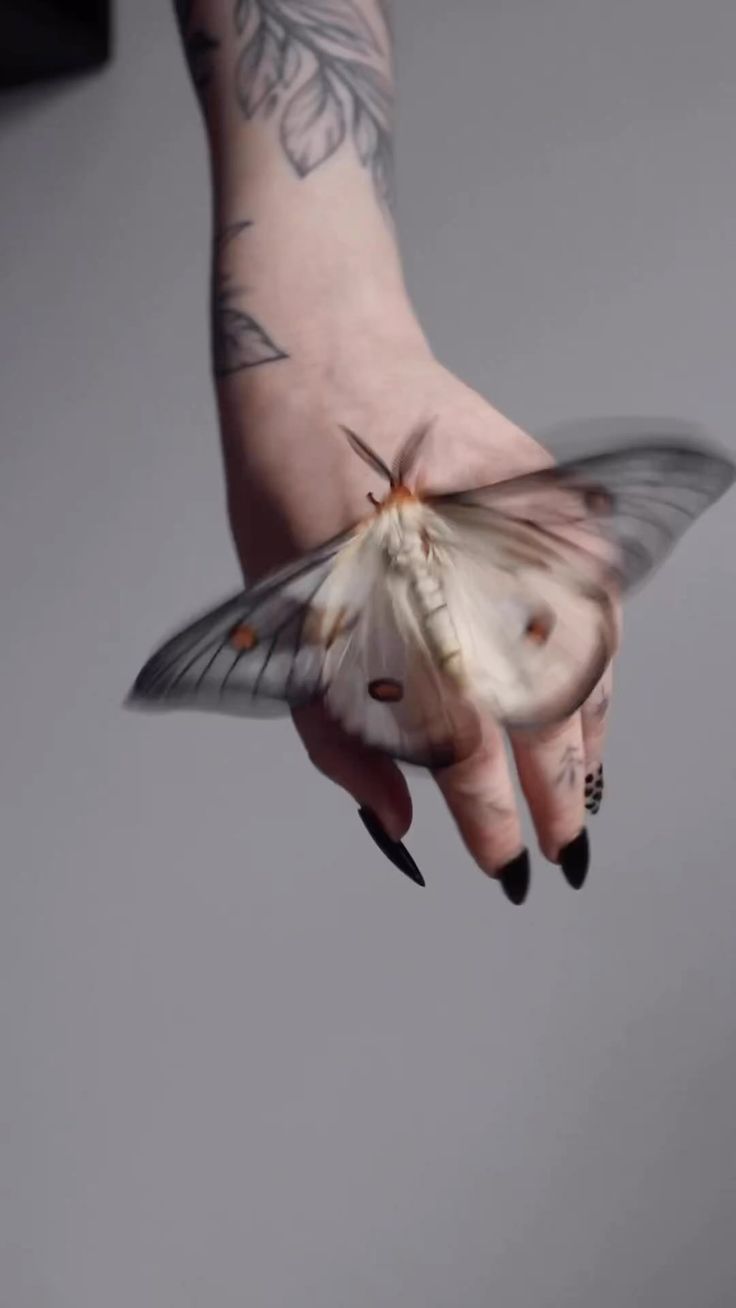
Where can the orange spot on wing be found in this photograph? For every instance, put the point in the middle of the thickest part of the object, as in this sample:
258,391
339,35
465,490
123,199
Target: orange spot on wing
539,628
243,638
386,690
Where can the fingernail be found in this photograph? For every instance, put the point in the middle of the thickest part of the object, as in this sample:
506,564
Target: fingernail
574,859
395,851
594,789
514,878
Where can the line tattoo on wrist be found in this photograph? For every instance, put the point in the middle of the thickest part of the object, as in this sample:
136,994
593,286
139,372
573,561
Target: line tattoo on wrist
238,341
319,67
199,45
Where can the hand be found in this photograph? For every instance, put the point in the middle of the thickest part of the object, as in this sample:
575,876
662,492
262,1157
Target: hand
293,482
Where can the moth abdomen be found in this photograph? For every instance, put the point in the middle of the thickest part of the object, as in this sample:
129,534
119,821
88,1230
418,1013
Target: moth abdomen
435,618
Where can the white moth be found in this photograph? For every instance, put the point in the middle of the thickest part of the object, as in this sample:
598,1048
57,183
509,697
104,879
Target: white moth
434,608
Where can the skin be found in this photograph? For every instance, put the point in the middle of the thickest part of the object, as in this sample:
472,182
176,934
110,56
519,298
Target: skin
313,327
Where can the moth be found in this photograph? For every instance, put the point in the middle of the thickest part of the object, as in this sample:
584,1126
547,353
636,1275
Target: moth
434,609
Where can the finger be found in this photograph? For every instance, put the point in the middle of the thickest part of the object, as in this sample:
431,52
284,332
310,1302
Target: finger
479,793
551,766
373,779
594,714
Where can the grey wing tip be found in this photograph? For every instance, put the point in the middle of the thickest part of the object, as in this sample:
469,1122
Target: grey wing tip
142,693
135,701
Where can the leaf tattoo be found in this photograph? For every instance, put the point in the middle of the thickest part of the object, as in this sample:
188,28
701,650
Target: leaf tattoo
328,56
313,125
238,341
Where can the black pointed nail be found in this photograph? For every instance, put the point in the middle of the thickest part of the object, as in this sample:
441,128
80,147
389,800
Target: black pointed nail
594,790
514,878
574,859
395,851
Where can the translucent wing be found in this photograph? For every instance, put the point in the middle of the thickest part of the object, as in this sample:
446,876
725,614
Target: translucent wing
261,651
534,629
336,626
626,507
533,564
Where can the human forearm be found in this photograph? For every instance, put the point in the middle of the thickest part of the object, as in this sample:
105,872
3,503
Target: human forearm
297,100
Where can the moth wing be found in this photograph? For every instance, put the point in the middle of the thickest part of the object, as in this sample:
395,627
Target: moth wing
383,685
536,561
535,632
624,509
260,652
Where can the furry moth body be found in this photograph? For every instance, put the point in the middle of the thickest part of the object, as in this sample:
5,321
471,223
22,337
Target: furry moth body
433,608
405,537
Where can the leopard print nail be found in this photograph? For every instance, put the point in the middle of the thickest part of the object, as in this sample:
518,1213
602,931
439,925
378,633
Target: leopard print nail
594,789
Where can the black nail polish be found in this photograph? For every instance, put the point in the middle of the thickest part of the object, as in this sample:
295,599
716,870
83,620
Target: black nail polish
395,851
574,859
514,878
594,789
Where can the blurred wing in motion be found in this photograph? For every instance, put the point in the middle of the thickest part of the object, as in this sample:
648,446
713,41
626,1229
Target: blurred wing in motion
255,654
334,626
534,565
626,507
529,571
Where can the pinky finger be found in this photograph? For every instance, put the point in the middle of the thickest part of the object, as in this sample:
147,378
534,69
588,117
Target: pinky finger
594,714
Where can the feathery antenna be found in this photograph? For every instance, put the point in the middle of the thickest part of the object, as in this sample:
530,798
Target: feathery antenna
368,455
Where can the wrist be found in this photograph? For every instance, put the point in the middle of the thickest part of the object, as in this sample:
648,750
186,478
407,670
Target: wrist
292,478
314,279
324,302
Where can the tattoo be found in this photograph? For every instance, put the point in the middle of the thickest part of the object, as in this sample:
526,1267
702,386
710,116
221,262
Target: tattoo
199,46
238,341
571,765
321,66
600,708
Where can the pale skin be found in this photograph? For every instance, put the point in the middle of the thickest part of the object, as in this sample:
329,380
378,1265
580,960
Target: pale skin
313,327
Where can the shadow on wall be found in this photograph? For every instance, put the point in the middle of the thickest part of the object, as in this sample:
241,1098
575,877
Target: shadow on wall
45,39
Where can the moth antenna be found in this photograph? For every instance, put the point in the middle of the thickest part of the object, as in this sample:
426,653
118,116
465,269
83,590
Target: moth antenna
407,455
368,455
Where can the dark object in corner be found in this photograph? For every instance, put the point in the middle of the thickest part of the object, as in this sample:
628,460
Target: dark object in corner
52,38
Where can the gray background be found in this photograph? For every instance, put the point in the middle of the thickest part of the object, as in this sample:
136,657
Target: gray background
244,1062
